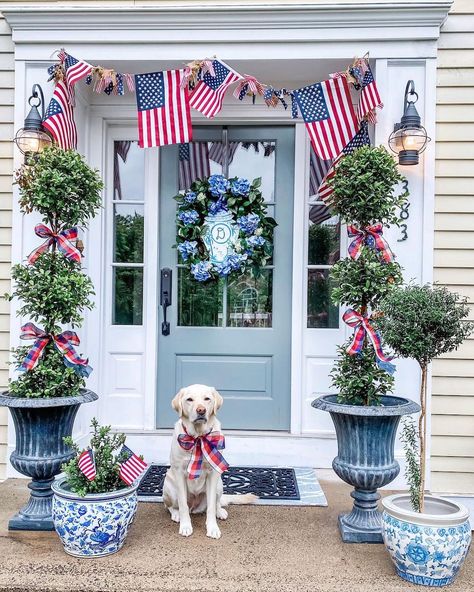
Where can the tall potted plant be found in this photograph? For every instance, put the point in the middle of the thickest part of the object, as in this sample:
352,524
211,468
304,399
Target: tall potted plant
364,413
428,537
54,292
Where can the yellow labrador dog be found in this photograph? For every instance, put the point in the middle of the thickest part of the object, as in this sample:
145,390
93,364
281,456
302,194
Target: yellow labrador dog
193,483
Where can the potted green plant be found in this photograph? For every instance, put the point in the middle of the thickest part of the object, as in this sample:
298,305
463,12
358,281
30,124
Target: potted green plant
428,537
92,513
54,292
364,412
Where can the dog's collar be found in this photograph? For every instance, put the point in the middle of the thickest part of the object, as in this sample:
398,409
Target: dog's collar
200,435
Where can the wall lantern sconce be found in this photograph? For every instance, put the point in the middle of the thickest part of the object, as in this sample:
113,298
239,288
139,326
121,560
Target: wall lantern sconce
409,137
32,138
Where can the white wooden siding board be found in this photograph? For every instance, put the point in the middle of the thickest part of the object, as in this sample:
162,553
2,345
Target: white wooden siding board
454,95
455,150
455,77
460,131
449,58
448,464
447,204
459,168
458,24
453,386
454,258
452,446
453,425
456,41
443,405
451,221
452,277
463,483
445,239
6,219
448,367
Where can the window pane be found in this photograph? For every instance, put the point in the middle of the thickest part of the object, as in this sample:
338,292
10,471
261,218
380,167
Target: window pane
199,304
321,312
128,233
128,296
249,300
324,236
194,163
129,171
254,159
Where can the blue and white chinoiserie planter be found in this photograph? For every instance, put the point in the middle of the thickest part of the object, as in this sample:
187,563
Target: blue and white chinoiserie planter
427,548
93,525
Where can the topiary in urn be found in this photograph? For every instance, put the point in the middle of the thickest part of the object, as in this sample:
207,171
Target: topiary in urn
364,413
49,383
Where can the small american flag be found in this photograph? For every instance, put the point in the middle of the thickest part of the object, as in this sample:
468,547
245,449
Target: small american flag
75,69
208,94
86,464
369,98
318,169
329,115
163,109
121,148
59,117
132,466
193,163
217,152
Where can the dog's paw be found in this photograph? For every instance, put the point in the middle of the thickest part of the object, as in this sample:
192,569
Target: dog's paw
222,514
213,531
174,514
185,529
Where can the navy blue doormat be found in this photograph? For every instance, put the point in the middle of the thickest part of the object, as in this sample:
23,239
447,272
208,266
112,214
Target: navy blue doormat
269,483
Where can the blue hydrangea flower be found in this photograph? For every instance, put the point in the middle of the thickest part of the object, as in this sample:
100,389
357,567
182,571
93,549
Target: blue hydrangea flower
190,197
248,224
224,268
218,185
235,260
188,217
256,241
240,186
187,249
417,553
200,271
217,206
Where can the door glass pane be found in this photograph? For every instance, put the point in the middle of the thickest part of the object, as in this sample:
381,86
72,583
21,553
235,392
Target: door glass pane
323,239
252,159
249,300
128,296
129,171
199,304
128,233
194,163
321,312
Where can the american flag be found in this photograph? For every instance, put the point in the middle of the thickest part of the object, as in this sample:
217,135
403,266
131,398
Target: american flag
360,139
132,466
329,115
75,69
121,148
369,98
208,94
59,117
218,151
318,169
86,464
193,163
163,109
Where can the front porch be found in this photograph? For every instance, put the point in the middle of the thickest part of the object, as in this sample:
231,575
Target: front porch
262,549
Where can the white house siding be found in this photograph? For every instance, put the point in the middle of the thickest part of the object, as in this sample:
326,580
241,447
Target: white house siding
453,376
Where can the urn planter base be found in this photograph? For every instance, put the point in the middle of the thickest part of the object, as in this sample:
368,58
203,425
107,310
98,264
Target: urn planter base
363,524
36,514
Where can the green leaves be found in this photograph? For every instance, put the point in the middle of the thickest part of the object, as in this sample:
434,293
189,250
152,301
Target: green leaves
364,188
409,438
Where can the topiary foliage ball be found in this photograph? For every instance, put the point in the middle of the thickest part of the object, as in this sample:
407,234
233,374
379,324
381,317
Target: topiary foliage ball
364,188
61,186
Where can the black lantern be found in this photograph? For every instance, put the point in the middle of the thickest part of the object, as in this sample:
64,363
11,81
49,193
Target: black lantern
409,137
32,137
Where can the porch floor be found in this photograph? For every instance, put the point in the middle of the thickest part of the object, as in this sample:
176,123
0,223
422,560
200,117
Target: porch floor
262,549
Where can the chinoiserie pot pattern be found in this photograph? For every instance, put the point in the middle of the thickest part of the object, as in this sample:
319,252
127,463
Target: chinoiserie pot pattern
96,524
427,549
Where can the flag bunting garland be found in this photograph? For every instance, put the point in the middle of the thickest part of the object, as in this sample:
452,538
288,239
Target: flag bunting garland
86,464
208,95
248,86
131,465
203,447
61,239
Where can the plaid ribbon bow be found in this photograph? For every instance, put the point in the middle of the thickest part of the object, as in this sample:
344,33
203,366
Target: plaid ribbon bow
362,327
64,343
61,239
371,236
204,447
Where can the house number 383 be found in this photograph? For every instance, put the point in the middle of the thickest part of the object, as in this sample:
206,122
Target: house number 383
404,215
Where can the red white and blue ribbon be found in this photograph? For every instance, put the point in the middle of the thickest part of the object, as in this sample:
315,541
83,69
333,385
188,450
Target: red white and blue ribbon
371,236
249,85
204,447
64,343
362,328
61,239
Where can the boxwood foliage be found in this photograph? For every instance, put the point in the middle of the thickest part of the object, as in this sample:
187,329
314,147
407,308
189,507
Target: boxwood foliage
54,292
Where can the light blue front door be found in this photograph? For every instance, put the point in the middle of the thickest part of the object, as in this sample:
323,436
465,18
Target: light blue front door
235,334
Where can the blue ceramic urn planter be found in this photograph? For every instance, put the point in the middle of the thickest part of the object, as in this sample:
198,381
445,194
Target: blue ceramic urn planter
40,426
365,458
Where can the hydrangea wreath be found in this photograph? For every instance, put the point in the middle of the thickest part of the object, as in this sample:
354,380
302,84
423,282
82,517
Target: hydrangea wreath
206,197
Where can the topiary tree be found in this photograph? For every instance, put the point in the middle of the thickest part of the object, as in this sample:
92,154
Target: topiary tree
365,198
422,323
54,291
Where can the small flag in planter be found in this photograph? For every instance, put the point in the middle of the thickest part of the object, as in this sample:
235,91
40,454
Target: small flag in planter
132,466
86,464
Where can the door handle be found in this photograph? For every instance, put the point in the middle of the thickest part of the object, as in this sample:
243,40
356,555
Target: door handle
165,297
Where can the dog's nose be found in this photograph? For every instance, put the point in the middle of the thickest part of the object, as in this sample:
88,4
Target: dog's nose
201,410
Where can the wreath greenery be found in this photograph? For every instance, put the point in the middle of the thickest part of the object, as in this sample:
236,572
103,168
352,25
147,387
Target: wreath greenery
253,247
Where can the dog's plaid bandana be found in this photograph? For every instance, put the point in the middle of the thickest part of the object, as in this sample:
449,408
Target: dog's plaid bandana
204,447
370,236
64,342
61,239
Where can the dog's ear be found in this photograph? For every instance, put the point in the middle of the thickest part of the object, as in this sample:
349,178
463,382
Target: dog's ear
218,400
176,403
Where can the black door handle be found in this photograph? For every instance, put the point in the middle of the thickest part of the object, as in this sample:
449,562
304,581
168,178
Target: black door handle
165,297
